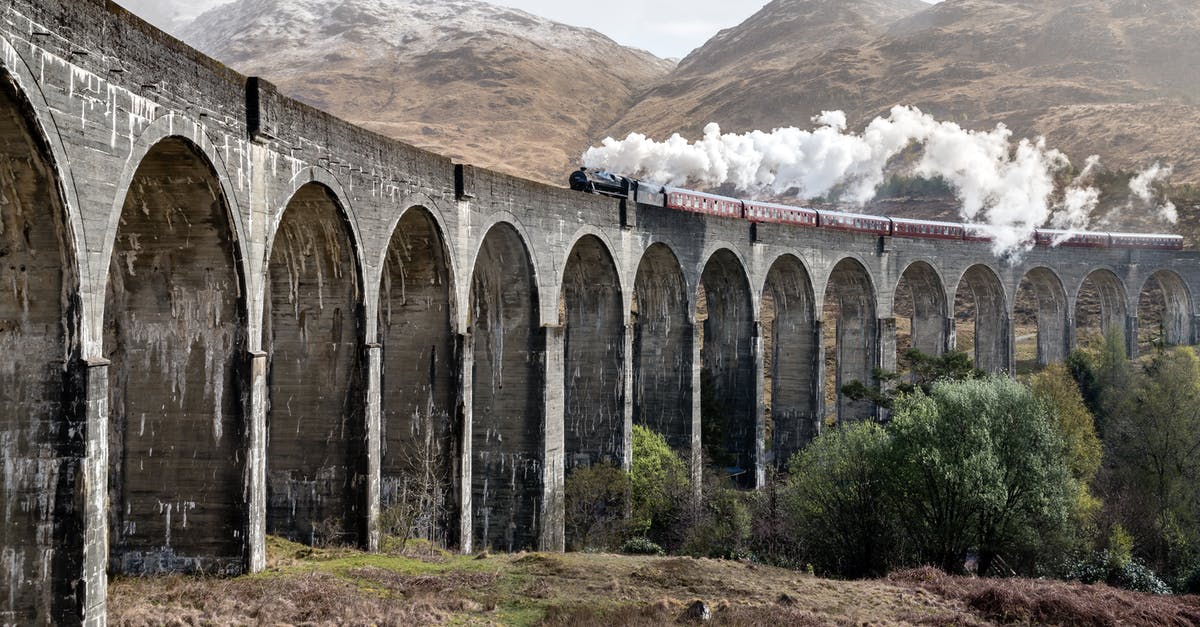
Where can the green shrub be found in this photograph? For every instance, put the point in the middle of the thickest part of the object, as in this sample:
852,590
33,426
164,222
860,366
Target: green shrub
660,487
839,509
980,468
640,545
596,499
1104,567
722,526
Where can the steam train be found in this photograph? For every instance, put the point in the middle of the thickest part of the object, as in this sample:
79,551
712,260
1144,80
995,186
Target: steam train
679,199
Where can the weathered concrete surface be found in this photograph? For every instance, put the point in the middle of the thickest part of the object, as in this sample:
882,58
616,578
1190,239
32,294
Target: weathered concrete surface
316,475
507,410
419,384
175,334
40,454
479,330
594,350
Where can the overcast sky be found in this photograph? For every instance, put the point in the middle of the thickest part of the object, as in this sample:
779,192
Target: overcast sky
668,28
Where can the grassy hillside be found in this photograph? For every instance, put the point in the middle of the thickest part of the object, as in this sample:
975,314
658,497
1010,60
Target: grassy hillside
427,586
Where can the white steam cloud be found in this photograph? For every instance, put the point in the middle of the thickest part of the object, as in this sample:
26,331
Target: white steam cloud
1011,187
1142,187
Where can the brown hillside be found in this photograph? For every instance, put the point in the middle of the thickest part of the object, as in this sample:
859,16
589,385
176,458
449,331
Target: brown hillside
1117,78
490,85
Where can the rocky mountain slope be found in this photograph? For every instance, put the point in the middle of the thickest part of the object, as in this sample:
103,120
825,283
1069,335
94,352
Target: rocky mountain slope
1117,78
489,85
744,78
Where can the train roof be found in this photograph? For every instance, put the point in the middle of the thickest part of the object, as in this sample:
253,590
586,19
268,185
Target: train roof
667,189
775,205
1148,235
849,214
928,222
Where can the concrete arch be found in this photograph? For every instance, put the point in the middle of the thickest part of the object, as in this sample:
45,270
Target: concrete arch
313,333
314,176
508,385
1101,298
28,94
730,420
593,321
163,129
1053,314
663,340
729,251
790,358
1169,320
930,313
992,333
850,294
548,313
587,232
40,446
438,220
421,435
175,322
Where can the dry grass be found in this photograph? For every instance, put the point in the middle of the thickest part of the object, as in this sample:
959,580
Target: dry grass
1025,601
343,587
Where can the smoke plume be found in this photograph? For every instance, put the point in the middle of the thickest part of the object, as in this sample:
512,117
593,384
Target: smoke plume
1008,185
1142,187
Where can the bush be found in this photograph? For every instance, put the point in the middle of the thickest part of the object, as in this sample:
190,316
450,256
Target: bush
1104,567
596,499
642,546
980,468
838,502
660,487
722,526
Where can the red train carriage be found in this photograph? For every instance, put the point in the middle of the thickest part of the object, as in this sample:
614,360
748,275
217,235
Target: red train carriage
699,202
780,214
978,233
904,227
724,206
1148,241
856,222
1072,239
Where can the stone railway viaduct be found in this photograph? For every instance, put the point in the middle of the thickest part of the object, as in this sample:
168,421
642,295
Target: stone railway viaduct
225,314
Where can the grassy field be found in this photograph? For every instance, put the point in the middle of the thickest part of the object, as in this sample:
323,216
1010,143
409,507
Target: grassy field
422,586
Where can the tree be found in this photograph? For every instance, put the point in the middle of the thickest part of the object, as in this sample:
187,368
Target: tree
980,466
659,485
839,504
1154,443
1114,376
1056,388
596,501
925,371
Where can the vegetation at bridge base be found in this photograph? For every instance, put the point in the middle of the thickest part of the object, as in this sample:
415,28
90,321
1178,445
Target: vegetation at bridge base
1150,412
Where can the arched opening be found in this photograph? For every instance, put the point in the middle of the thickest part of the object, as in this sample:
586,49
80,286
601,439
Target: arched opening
1040,320
508,439
850,337
981,319
789,361
419,380
38,322
313,335
1100,308
594,349
921,313
1164,312
662,349
729,401
175,333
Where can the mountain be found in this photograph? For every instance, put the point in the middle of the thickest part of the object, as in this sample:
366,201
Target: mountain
493,86
741,77
1116,78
